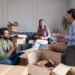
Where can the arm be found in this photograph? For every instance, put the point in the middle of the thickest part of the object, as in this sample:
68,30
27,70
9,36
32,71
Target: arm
10,51
37,37
2,55
48,36
68,37
72,36
60,36
43,37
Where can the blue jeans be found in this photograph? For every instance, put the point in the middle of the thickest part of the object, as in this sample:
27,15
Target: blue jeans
12,60
39,42
6,61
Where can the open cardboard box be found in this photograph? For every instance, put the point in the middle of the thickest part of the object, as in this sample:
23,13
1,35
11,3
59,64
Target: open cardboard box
35,70
59,69
62,69
33,57
19,39
12,70
13,28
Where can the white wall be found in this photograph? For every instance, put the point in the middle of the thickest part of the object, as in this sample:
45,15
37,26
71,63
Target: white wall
53,11
28,12
72,3
1,13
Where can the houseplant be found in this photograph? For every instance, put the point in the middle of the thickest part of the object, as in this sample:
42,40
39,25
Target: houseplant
65,23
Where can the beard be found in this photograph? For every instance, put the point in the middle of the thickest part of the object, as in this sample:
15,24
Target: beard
6,38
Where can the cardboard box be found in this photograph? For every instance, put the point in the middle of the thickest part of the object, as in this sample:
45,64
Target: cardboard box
36,55
30,57
54,56
12,70
19,39
60,69
48,64
35,70
23,60
71,71
13,28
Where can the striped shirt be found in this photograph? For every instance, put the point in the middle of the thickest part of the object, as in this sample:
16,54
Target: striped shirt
71,34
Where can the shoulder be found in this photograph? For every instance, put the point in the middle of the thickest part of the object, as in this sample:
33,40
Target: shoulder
0,40
1,43
10,42
48,29
73,23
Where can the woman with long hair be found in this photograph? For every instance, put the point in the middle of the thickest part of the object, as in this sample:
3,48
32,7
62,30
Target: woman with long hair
43,34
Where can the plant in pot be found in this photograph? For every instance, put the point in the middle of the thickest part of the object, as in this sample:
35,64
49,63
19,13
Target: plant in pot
65,23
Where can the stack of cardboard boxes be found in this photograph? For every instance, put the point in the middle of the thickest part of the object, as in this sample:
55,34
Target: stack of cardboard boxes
37,59
32,58
19,39
34,62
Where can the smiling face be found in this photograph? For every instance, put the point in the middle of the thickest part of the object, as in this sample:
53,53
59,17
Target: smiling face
5,34
41,24
70,15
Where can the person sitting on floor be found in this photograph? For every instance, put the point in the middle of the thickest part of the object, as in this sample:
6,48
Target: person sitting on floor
42,36
8,53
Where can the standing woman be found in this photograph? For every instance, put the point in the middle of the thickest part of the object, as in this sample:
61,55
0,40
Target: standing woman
70,37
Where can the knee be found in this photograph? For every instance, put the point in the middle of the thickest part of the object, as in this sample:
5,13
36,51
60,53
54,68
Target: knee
9,62
37,40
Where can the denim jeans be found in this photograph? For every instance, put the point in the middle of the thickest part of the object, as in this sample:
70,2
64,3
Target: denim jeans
12,60
39,42
6,61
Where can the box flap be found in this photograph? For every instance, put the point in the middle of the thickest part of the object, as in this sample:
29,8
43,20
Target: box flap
35,70
4,68
55,57
18,70
12,70
61,69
